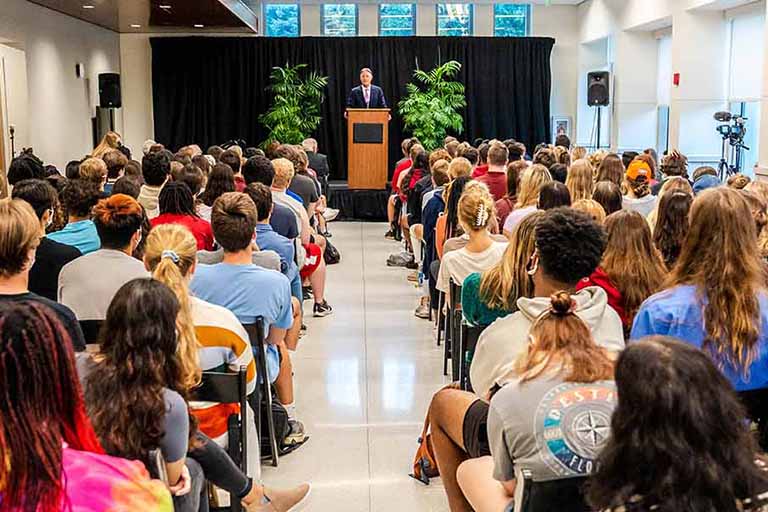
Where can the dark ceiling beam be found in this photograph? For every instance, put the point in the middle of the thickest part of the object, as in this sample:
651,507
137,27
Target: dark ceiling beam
242,11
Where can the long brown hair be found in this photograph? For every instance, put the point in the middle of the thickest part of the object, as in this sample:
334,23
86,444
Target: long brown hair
580,180
611,169
508,280
631,260
719,257
559,336
138,359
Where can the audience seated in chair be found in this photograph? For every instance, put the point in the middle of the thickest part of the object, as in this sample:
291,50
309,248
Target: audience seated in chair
720,267
156,169
50,255
496,177
220,181
528,198
251,292
638,186
177,206
19,240
87,284
58,462
608,195
259,169
78,198
562,363
678,438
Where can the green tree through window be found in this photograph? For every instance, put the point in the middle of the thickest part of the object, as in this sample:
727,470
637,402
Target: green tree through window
511,20
339,19
282,20
397,19
454,19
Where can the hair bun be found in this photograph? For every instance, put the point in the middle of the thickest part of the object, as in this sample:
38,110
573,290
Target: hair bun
562,304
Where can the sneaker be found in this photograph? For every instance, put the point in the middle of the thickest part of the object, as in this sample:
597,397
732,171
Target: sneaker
413,276
307,292
330,214
297,434
282,500
390,235
399,260
412,265
423,310
322,309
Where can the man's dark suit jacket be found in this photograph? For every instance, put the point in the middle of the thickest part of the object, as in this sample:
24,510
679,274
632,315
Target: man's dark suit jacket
319,163
357,100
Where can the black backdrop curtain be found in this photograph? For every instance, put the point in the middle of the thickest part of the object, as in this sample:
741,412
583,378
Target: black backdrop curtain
209,90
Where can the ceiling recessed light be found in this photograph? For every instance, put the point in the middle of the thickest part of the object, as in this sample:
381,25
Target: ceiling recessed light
198,25
134,25
89,6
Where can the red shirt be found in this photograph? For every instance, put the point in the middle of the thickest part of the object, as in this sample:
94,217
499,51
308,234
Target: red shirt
504,207
480,170
402,166
496,183
600,279
239,183
200,228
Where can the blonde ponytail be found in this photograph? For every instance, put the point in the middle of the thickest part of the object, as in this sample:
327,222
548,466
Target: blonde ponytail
171,251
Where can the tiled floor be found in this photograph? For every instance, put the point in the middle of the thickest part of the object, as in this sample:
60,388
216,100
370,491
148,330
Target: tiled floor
364,378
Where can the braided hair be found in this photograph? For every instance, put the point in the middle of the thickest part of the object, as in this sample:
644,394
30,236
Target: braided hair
176,197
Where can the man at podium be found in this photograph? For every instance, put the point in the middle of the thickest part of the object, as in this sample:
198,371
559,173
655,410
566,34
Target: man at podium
366,95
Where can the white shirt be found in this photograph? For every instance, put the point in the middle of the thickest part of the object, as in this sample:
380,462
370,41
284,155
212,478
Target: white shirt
457,265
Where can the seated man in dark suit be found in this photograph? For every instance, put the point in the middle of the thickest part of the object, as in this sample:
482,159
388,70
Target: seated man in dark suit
318,162
366,95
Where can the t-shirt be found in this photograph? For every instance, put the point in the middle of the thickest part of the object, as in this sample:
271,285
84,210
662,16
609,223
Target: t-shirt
224,346
284,221
516,216
402,166
65,315
268,239
200,228
644,206
204,211
88,284
678,312
249,292
460,263
264,259
81,234
553,428
480,170
504,207
149,198
239,183
496,183
475,311
305,188
50,257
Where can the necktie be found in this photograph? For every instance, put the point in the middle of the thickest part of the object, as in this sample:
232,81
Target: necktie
367,95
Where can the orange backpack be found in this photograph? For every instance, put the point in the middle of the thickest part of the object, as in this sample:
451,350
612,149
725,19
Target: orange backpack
424,463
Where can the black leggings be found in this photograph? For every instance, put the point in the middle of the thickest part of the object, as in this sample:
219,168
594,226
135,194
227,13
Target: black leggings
219,468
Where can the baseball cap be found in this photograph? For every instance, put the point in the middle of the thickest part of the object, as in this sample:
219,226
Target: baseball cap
638,169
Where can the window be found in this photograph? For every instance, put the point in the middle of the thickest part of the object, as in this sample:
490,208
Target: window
454,19
397,19
339,19
282,20
511,20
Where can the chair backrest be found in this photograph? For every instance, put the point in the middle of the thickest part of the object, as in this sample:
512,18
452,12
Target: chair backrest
565,495
91,330
225,388
455,295
156,466
756,403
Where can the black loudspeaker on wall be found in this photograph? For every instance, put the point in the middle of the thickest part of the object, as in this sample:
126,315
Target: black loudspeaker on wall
598,88
109,90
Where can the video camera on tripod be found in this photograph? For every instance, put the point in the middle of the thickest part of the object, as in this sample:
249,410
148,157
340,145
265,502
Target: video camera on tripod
733,129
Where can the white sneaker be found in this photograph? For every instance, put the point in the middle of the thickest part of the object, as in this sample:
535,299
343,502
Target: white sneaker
330,214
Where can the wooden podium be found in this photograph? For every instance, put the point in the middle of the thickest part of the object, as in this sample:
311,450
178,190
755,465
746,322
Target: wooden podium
368,148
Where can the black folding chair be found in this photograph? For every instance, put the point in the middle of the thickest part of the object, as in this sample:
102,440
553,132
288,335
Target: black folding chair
156,466
230,388
91,330
456,317
470,334
258,342
566,495
756,403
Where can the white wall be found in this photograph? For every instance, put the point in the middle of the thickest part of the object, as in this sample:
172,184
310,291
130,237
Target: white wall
13,98
60,106
136,77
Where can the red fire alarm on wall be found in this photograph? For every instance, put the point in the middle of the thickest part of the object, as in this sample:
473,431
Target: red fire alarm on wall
676,79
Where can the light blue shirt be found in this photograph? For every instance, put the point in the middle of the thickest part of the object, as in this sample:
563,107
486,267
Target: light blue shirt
249,292
678,312
81,234
269,240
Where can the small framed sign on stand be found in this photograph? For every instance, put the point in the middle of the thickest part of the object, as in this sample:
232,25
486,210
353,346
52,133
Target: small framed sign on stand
562,125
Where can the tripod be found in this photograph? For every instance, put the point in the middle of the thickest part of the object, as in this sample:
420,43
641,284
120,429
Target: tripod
731,157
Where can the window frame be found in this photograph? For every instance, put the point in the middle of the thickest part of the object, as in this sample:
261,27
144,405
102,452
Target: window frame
323,16
266,25
528,21
414,11
471,19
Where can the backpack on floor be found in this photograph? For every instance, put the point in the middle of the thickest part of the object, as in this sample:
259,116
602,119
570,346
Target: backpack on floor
424,463
331,254
282,429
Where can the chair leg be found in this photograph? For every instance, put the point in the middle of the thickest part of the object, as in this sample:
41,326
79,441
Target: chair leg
448,342
271,422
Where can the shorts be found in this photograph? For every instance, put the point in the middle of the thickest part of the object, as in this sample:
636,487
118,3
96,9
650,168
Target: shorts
476,430
312,260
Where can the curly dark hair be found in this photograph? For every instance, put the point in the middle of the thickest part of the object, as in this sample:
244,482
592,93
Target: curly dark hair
124,392
678,435
155,168
672,225
570,245
258,169
79,197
